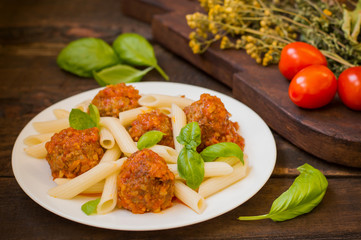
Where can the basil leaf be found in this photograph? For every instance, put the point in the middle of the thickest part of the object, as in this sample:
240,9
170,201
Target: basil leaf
119,73
134,49
85,55
190,167
190,135
80,120
305,193
149,139
94,114
90,207
223,149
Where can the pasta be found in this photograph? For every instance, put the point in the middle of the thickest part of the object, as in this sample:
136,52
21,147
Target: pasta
127,117
38,138
179,120
190,197
106,138
169,154
159,100
109,196
95,189
37,151
61,113
51,126
211,169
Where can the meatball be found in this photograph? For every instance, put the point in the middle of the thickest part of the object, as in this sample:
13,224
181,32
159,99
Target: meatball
115,99
154,120
213,120
72,152
145,183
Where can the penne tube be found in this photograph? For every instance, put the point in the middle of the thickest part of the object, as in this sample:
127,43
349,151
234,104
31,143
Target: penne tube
108,199
166,110
216,184
127,117
84,181
61,113
95,189
84,105
231,160
189,197
170,155
38,138
106,138
211,169
51,126
111,155
159,100
37,151
179,120
122,137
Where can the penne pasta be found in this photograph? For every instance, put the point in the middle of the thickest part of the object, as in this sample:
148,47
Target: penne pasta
78,184
37,139
159,100
214,185
84,105
211,169
106,138
127,117
51,126
169,154
108,199
122,137
61,113
231,160
166,110
111,155
95,189
37,151
179,120
189,197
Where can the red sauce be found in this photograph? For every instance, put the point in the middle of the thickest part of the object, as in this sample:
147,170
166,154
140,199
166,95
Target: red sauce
145,183
115,99
154,120
213,119
72,152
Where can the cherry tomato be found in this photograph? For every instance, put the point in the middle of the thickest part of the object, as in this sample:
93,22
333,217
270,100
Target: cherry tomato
349,87
313,87
298,55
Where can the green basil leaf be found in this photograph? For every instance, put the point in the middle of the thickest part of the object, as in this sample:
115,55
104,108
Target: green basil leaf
149,139
80,120
85,55
94,114
134,49
191,167
119,73
90,207
305,193
223,149
190,135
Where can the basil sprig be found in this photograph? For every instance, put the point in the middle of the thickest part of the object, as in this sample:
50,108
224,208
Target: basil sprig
190,163
90,207
149,139
81,120
305,194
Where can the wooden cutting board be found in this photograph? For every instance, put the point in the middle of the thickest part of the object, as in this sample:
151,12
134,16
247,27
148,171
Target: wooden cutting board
332,133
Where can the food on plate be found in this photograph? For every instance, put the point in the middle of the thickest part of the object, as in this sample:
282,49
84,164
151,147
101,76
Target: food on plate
213,119
145,183
115,99
313,87
349,87
73,152
154,120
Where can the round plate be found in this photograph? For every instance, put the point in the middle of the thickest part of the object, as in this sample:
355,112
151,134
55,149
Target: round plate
34,176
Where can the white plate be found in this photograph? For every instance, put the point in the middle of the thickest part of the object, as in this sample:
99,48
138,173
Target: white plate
34,177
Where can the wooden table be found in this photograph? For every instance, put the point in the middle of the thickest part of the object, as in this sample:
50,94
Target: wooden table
32,34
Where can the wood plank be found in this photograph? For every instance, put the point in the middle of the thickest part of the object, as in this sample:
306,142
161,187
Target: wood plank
332,133
31,221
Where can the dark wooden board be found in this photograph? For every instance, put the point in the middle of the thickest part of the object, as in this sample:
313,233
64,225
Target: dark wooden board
332,133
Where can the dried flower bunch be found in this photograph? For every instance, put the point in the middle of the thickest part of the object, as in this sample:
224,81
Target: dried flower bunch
263,28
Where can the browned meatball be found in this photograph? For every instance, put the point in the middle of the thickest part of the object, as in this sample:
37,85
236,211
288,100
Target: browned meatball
145,184
154,120
72,152
115,99
213,119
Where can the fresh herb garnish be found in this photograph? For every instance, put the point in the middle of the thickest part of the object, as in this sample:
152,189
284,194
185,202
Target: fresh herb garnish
223,149
83,56
149,139
81,120
120,73
305,193
134,49
90,207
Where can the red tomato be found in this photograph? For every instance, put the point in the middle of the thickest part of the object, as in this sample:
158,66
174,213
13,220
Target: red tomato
298,55
313,87
349,87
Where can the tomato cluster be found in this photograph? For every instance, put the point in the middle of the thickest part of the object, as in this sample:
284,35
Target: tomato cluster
313,85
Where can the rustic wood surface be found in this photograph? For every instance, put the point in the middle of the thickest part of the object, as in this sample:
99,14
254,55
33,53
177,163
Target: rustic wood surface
263,89
31,35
